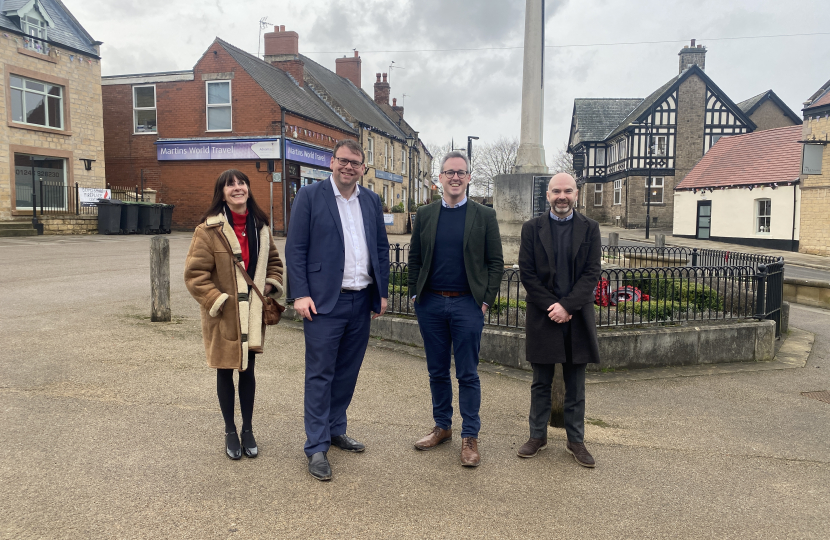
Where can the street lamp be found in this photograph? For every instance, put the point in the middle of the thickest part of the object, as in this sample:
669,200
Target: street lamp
470,157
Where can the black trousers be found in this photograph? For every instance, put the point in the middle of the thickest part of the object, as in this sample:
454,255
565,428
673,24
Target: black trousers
540,396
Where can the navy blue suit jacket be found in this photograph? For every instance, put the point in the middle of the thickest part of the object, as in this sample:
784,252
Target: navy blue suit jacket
315,252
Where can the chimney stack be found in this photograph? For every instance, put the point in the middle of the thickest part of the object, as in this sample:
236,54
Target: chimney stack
349,68
282,51
395,107
692,54
381,90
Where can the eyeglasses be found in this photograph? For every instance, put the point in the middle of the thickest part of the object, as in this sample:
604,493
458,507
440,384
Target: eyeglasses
450,174
343,162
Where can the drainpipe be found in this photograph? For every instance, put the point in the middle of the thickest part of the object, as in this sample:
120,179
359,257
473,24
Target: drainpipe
284,174
792,241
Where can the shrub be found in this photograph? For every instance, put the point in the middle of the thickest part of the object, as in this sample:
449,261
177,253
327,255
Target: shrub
697,296
399,278
503,306
398,208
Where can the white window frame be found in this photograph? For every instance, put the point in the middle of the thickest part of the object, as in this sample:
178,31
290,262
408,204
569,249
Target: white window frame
656,185
136,109
34,26
657,146
597,191
584,190
599,152
612,154
46,95
386,156
370,152
403,161
385,196
392,157
371,187
621,149
763,221
617,192
228,105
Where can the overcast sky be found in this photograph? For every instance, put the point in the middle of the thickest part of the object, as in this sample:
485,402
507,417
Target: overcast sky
478,92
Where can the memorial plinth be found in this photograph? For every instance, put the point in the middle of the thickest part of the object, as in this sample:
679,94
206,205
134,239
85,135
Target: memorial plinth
513,202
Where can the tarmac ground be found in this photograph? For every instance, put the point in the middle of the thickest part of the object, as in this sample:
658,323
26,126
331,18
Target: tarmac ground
112,430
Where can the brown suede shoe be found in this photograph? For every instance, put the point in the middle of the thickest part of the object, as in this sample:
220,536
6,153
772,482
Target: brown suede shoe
435,437
469,452
532,447
580,454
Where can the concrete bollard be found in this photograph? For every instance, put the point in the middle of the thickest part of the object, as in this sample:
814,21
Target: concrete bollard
660,240
160,279
613,239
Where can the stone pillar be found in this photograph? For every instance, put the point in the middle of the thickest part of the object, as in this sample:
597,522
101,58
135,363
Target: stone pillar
531,155
513,203
660,240
613,239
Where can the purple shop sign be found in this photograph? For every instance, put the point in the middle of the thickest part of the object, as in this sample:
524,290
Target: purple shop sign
210,150
305,154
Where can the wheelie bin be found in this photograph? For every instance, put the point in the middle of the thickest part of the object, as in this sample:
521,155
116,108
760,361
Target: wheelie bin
129,218
149,218
109,216
167,217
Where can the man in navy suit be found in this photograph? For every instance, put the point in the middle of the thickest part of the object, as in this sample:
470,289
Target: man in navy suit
337,256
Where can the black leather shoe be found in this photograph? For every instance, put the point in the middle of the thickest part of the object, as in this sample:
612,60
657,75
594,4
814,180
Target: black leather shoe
344,442
232,445
318,466
249,444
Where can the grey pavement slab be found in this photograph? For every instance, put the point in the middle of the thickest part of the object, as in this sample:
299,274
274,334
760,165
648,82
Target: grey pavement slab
112,430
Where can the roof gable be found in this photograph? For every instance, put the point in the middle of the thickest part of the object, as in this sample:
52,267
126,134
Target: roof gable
820,99
594,118
64,30
752,104
764,157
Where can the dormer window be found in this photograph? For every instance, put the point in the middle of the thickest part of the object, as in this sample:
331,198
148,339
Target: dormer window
34,21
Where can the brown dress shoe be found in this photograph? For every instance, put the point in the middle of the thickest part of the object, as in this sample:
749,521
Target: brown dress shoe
435,437
469,452
580,454
531,447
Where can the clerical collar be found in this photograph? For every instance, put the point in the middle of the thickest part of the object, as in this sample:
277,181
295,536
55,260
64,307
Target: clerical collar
457,205
555,218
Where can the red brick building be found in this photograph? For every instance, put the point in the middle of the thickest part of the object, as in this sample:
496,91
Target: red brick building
175,132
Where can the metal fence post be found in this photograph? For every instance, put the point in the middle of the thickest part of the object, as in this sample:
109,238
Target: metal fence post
761,292
694,257
397,252
77,200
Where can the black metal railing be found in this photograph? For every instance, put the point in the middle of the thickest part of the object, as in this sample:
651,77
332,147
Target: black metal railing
649,256
644,296
127,193
53,198
398,253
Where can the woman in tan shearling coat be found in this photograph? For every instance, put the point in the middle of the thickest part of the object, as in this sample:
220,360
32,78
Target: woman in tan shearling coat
234,228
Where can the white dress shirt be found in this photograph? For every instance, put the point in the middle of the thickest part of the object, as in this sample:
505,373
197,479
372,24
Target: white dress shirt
356,264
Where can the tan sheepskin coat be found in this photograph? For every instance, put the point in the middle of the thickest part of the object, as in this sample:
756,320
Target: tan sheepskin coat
231,326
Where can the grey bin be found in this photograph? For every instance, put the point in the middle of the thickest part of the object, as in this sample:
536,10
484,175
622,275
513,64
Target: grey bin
129,218
167,217
149,218
109,216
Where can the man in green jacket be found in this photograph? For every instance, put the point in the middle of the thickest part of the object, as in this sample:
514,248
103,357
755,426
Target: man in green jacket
455,270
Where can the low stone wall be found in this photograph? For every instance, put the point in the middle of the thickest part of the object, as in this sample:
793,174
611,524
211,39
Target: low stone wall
70,225
399,225
712,343
809,292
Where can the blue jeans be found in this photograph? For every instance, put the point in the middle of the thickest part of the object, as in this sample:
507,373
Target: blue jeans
452,323
334,347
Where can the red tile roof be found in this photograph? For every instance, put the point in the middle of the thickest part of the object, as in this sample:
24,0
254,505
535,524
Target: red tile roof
822,100
763,157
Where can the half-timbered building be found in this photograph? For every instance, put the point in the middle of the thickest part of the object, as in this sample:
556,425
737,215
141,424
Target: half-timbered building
630,153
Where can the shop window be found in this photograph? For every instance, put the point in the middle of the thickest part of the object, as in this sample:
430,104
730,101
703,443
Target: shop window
49,182
763,211
656,190
144,109
597,194
219,105
36,103
370,151
617,192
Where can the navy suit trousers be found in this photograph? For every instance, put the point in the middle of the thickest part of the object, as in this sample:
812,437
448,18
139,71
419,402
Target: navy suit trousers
335,344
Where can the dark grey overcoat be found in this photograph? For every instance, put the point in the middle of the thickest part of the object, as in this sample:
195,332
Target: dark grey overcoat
545,341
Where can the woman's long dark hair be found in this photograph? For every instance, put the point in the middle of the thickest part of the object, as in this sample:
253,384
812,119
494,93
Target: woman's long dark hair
218,204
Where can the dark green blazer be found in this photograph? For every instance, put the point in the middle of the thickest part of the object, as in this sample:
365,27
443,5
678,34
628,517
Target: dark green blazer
482,250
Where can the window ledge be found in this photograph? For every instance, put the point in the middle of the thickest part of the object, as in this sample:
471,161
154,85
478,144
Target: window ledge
146,133
39,56
655,204
218,131
44,129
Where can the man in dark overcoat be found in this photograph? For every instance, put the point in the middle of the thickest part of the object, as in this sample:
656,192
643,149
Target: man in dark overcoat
559,261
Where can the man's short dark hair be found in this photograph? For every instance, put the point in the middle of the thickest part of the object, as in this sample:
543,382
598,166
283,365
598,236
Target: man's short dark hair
454,154
351,145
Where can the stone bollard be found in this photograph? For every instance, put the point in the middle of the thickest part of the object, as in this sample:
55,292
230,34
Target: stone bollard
660,240
160,279
613,239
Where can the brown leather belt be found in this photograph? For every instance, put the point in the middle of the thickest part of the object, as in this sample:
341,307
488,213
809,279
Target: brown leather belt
450,293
